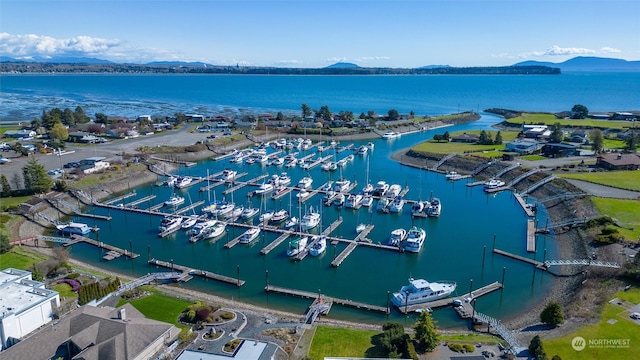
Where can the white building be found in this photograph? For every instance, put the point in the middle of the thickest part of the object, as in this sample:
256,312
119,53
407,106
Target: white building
25,305
93,164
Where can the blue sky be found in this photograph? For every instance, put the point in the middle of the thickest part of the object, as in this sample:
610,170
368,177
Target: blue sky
308,33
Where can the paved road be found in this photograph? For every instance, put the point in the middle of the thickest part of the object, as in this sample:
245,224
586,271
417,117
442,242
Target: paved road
604,191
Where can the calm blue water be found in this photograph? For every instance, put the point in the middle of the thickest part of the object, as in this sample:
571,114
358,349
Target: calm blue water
24,97
454,246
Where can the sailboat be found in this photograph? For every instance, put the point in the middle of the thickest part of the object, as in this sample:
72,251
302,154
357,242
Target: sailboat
368,188
293,221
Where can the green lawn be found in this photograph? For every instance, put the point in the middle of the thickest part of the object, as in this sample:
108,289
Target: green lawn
11,202
65,290
613,144
550,119
20,258
472,339
614,324
160,307
629,180
459,148
626,212
533,157
3,129
343,342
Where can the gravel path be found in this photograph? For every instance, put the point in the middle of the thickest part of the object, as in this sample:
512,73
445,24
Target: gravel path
603,190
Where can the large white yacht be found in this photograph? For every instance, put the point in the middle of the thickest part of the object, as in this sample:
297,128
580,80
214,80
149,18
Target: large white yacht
310,220
415,239
420,291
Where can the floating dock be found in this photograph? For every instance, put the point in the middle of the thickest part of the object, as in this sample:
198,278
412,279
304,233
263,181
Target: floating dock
190,271
140,201
531,236
267,249
120,198
343,255
538,264
525,206
466,306
312,295
77,238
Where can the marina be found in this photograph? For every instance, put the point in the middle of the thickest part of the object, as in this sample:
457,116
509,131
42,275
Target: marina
187,271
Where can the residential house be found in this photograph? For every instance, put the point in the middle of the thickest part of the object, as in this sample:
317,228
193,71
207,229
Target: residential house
194,117
82,137
248,350
523,146
537,132
466,138
143,118
93,333
25,305
623,116
93,164
616,161
556,150
579,137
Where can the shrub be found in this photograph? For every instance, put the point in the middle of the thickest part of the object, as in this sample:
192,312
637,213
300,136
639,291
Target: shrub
455,347
227,315
469,348
73,276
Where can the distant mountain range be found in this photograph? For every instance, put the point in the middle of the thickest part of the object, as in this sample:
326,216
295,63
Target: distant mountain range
581,63
588,63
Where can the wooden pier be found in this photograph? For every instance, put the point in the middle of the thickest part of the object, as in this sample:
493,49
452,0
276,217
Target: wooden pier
190,271
120,198
334,225
282,194
187,208
362,236
538,264
463,299
140,201
343,255
241,184
525,206
531,236
267,249
312,295
77,238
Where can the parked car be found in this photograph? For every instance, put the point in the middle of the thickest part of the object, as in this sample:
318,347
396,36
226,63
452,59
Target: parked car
72,164
635,315
55,172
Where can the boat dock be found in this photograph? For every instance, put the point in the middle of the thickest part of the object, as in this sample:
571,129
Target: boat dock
140,201
119,198
464,310
267,249
187,271
311,295
324,233
241,184
334,225
318,162
185,163
187,208
233,241
363,234
348,147
538,264
77,238
531,236
524,205
343,255
282,194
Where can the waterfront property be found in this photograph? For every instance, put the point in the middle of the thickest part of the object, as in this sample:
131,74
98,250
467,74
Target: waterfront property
25,304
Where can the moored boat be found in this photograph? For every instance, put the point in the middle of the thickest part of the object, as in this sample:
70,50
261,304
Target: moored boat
305,182
249,235
310,220
174,200
74,228
189,222
183,182
397,236
338,199
319,247
297,245
264,188
421,291
279,216
169,223
354,201
381,188
360,228
415,239
249,212
493,183
341,185
390,135
434,208
382,204
367,200
397,204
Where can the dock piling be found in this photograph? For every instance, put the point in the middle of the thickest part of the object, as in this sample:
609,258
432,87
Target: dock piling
503,271
484,251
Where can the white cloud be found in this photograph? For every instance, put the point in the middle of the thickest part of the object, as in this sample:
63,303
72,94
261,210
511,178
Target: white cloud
372,58
503,56
31,45
609,50
336,59
289,62
556,50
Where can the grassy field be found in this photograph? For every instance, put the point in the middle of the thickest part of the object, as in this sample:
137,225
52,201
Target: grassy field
3,129
20,258
613,144
550,119
10,202
614,324
65,290
459,148
472,339
343,342
159,307
626,212
629,180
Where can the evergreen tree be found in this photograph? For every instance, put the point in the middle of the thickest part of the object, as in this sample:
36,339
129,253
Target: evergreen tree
597,141
80,115
579,111
498,140
306,110
4,186
552,314
632,142
556,133
426,332
393,114
35,177
5,244
68,117
485,138
536,350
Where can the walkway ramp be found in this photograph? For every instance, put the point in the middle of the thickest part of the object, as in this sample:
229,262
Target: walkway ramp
443,160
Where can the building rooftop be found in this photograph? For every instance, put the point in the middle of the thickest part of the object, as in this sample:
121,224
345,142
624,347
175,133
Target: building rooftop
19,293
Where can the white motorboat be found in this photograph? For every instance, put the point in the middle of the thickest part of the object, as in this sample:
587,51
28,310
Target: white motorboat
222,208
292,223
338,199
279,216
390,135
354,201
493,183
397,204
328,196
341,163
326,186
216,230
201,226
227,175
171,181
452,175
291,163
367,200
278,190
174,200
435,208
305,182
169,223
370,145
189,222
235,213
421,291
397,236
277,161
341,185
249,212
360,228
382,204
415,239
329,166
419,207
266,216
249,235
310,220
74,228
368,189
264,188
284,179
394,190
297,245
183,182
319,247
302,194
362,150
381,188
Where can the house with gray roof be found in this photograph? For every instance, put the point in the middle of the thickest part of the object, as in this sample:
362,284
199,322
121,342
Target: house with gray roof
93,333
